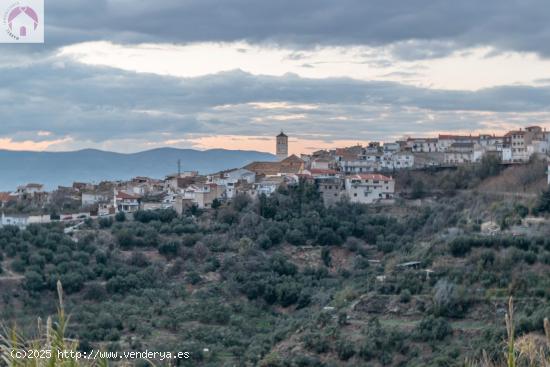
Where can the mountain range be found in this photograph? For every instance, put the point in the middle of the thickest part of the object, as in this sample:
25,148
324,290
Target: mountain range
90,165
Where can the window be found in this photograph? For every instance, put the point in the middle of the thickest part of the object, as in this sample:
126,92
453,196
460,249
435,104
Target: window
355,194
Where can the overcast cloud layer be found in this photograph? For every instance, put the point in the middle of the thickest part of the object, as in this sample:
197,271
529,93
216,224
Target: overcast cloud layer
52,101
520,25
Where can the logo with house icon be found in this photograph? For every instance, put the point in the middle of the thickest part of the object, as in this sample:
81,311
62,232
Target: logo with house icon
23,21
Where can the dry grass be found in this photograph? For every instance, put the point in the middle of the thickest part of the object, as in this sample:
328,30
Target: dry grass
527,351
48,348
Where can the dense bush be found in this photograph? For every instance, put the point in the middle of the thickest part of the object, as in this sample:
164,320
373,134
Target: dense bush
433,329
252,276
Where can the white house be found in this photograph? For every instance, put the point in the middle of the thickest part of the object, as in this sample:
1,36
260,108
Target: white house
423,145
266,186
203,195
518,140
539,146
230,179
125,202
14,220
321,163
369,188
92,198
391,147
506,154
331,188
459,153
30,189
399,160
444,142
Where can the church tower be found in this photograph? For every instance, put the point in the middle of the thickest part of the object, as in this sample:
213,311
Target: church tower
282,146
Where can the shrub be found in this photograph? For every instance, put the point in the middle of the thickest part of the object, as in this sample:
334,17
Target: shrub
316,342
94,292
418,190
344,349
296,237
543,205
327,237
120,217
34,281
380,343
264,241
325,256
240,201
433,329
275,234
105,222
194,277
353,244
169,249
460,246
216,203
126,239
449,300
72,281
405,296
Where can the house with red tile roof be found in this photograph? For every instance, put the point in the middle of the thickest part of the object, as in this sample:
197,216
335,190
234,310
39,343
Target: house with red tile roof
125,202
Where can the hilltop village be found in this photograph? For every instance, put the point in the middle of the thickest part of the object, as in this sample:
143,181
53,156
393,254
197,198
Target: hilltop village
360,174
302,259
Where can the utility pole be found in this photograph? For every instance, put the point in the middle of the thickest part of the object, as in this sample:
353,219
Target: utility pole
179,168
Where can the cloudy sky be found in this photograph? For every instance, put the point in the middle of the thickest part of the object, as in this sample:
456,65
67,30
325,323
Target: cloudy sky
130,75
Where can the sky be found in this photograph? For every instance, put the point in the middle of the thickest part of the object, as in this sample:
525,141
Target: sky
128,76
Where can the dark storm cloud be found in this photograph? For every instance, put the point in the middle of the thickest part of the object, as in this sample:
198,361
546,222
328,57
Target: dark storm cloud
101,104
435,27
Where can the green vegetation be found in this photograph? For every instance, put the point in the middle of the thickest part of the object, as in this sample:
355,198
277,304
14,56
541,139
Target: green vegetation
284,281
49,348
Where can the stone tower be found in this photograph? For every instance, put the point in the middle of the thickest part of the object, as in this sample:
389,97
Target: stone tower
282,146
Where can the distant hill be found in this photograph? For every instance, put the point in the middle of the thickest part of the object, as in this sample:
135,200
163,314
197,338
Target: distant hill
62,168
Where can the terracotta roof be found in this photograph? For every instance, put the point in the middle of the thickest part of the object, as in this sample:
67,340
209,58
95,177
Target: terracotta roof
346,154
125,196
5,197
293,158
265,168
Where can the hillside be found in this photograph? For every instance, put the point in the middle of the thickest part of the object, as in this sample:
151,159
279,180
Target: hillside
63,168
284,281
489,177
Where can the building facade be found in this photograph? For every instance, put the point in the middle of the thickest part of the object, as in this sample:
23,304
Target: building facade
369,188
